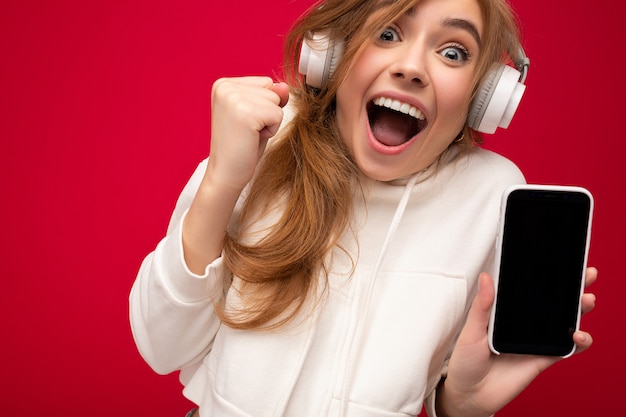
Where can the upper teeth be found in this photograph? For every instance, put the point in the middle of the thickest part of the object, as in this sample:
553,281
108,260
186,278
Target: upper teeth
397,105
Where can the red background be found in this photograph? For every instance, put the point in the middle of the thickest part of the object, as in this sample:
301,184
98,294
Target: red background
104,113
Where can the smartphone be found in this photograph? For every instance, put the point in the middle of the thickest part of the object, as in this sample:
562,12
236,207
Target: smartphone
541,258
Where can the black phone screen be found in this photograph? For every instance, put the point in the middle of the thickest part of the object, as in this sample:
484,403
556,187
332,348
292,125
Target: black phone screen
541,267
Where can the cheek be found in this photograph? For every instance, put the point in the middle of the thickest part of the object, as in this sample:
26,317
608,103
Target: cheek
350,99
362,71
453,101
343,118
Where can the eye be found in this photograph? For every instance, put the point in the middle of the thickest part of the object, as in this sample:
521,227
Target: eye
456,53
390,34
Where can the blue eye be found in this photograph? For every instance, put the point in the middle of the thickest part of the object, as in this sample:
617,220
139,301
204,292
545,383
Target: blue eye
456,53
389,35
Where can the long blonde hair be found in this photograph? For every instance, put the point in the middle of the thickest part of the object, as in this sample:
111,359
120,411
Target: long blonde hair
310,171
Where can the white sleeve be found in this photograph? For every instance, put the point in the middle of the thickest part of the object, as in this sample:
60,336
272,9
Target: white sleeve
171,309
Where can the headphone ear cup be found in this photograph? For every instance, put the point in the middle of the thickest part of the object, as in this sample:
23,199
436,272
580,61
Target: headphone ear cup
318,59
497,100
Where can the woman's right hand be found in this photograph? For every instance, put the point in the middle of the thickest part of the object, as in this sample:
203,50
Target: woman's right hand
246,112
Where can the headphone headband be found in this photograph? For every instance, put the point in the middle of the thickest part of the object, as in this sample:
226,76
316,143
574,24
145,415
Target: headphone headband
522,63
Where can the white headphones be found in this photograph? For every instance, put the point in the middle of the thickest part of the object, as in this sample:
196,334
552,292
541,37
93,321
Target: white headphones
495,103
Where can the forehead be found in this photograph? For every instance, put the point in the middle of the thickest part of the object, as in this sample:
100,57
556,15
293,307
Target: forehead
458,14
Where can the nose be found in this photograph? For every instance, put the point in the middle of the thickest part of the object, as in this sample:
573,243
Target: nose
410,66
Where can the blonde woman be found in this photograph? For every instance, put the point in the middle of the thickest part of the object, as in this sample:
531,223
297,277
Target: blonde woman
332,256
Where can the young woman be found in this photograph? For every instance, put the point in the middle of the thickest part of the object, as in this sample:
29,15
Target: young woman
342,270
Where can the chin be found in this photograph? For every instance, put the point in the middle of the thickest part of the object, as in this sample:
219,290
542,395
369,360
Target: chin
378,173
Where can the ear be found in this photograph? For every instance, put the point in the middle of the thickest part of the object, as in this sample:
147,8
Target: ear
319,57
499,96
497,100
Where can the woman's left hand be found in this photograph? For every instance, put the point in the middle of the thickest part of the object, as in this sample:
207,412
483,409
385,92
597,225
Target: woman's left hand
479,383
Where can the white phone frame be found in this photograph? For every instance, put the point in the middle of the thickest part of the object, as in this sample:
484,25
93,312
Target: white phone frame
499,241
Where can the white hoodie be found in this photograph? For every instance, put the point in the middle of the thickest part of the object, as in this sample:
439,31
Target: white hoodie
378,342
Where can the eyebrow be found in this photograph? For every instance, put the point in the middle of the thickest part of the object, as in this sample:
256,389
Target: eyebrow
465,25
449,22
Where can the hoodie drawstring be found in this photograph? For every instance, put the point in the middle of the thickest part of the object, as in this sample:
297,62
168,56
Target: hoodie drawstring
358,331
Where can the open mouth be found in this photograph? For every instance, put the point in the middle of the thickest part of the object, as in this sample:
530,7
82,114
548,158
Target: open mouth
393,122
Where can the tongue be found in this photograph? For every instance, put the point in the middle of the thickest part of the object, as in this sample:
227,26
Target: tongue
391,128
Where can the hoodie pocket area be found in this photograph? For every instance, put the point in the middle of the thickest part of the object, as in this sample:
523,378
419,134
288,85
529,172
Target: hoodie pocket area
409,326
